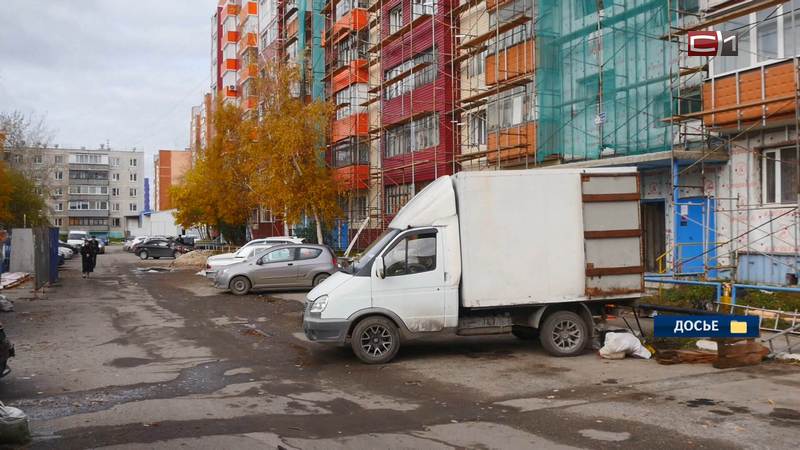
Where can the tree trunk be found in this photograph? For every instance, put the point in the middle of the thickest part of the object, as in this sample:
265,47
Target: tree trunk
319,228
285,224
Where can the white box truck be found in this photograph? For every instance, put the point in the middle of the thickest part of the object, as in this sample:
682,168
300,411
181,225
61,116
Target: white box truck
528,252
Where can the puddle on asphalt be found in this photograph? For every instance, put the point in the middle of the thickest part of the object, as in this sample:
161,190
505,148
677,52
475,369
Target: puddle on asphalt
152,269
607,436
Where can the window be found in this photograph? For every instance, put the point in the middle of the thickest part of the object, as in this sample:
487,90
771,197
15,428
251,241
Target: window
57,192
422,8
38,190
114,162
133,177
412,79
359,209
477,128
791,26
88,221
350,100
88,175
17,158
779,176
58,159
350,152
344,6
511,108
59,206
354,46
767,34
88,190
132,192
58,222
38,159
413,136
86,158
133,162
308,253
115,192
280,255
475,65
741,26
115,176
395,19
265,215
397,196
88,205
58,175
115,222
115,207
416,253
132,207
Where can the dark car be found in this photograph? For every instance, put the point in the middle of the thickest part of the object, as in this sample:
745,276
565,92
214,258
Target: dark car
156,248
6,351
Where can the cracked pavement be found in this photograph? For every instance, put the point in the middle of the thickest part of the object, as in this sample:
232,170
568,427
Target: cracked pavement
134,359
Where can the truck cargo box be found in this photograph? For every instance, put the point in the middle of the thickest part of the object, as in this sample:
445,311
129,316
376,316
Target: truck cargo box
548,235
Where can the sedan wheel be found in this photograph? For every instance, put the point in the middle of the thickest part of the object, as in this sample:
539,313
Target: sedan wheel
143,254
320,278
240,286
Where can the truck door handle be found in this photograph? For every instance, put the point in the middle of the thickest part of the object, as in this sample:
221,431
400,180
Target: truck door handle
290,264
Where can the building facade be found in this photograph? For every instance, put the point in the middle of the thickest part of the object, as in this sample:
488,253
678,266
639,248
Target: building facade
100,191
169,168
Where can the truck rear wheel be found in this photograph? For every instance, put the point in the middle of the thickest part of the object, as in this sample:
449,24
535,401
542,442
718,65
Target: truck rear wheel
564,333
375,340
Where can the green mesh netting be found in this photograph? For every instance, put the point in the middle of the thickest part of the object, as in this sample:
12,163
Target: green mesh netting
602,79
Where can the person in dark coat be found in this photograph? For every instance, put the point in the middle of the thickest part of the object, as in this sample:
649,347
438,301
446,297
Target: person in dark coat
96,247
88,255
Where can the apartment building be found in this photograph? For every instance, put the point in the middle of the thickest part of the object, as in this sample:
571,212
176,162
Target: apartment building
101,191
169,168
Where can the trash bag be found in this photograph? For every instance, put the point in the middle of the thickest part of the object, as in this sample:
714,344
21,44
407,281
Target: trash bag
617,345
13,426
6,305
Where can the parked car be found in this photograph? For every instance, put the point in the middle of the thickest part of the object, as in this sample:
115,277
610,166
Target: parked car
71,247
217,262
241,254
145,240
65,252
156,248
131,244
101,246
284,266
76,238
6,351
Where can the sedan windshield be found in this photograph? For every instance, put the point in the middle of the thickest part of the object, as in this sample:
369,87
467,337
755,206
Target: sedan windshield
369,254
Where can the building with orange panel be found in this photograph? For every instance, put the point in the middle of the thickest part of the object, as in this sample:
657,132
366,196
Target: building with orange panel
170,167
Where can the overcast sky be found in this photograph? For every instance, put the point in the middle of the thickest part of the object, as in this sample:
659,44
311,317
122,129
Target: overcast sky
117,70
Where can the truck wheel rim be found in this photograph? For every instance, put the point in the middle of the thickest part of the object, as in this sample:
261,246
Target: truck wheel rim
566,335
376,340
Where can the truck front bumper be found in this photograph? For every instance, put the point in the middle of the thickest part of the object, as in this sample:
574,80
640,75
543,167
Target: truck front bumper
322,330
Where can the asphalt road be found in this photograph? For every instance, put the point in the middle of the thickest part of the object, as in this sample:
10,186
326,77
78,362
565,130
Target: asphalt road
141,359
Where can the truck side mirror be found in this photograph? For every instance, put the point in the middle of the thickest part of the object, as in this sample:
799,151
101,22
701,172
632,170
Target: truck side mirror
379,267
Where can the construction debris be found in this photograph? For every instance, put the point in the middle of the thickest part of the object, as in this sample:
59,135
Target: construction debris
9,280
685,357
739,354
619,345
193,259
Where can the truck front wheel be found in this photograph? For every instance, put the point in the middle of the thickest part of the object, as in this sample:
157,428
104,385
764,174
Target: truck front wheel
564,333
375,340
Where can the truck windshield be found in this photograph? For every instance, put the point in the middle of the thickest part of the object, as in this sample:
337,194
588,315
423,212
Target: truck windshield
369,254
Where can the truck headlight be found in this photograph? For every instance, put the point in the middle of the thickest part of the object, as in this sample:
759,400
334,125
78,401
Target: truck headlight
319,304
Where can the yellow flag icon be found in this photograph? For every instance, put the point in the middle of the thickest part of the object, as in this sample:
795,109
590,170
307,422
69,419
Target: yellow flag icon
738,327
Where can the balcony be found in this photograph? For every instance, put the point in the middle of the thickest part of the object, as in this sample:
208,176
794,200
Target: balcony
231,92
749,96
250,102
248,71
353,125
248,40
510,63
352,177
512,143
231,37
354,20
232,9
356,72
248,9
232,64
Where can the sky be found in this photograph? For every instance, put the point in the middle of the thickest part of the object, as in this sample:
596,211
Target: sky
126,72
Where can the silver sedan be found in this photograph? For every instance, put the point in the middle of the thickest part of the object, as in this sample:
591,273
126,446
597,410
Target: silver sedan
284,266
